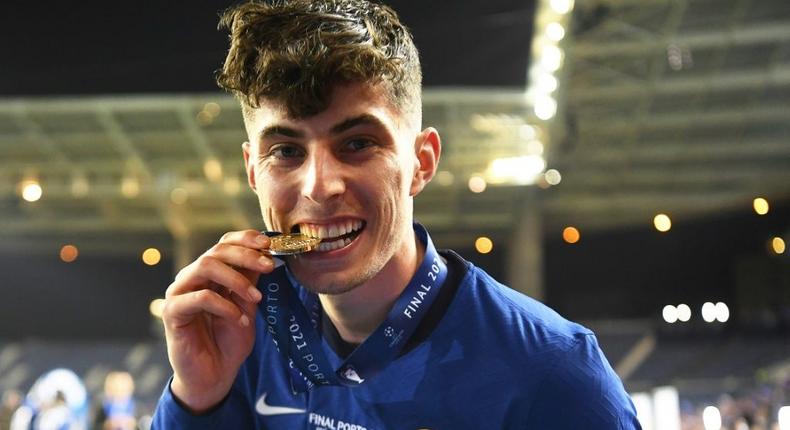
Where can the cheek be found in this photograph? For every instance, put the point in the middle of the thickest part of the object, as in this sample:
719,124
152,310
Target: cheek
393,186
274,198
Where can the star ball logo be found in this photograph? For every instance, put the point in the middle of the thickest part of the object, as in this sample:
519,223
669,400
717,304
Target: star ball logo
389,331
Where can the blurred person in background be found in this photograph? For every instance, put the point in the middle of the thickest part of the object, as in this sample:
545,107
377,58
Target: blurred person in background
117,410
55,415
12,399
381,330
57,400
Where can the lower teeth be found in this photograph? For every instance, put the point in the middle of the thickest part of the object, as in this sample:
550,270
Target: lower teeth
336,244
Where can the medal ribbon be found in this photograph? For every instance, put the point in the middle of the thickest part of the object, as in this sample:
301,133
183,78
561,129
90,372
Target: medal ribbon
295,332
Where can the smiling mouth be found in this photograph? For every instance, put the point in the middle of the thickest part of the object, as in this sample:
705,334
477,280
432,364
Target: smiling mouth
333,236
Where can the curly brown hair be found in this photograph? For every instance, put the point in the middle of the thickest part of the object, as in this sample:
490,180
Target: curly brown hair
295,51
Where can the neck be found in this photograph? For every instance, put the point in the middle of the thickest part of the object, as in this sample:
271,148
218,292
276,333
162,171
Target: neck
357,313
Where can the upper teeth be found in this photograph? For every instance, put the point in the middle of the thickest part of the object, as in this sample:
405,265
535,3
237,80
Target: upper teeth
323,231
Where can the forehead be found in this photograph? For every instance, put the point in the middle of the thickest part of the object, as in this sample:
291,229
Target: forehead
346,101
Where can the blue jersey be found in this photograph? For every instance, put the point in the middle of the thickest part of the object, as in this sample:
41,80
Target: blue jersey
486,357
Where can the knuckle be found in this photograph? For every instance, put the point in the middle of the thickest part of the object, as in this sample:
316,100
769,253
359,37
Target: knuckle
226,237
250,235
204,295
204,263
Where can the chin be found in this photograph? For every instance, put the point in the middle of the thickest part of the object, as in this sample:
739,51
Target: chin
332,283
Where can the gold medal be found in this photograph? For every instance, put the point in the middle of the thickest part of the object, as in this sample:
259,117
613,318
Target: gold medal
292,243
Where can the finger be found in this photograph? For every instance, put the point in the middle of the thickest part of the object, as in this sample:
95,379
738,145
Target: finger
247,307
182,309
208,270
243,257
247,238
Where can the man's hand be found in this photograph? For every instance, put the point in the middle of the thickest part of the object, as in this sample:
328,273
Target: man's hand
209,317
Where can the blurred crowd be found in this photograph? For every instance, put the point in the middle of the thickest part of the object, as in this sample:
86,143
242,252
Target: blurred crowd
58,400
756,408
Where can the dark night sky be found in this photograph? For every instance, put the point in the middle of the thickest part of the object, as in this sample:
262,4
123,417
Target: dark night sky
172,47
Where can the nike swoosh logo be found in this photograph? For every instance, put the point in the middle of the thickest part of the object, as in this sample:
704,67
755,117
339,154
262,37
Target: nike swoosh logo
266,410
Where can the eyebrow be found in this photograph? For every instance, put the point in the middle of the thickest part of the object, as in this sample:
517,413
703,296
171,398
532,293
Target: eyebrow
364,119
279,130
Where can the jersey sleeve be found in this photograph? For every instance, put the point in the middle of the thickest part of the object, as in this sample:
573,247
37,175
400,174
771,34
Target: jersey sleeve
582,391
231,413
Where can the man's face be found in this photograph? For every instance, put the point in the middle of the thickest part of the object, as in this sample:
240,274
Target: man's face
346,175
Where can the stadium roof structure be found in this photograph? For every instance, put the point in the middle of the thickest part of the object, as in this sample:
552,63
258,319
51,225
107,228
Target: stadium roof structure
673,106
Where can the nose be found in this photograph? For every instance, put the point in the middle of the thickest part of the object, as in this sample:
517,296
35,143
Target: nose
323,177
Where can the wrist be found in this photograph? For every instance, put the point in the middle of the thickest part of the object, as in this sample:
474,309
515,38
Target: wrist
196,402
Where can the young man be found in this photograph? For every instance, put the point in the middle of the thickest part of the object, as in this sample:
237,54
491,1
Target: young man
375,329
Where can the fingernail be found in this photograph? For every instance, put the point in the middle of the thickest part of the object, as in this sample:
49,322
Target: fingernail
261,240
244,321
254,294
266,262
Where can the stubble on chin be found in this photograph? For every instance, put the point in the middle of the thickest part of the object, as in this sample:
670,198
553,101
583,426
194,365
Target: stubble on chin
335,286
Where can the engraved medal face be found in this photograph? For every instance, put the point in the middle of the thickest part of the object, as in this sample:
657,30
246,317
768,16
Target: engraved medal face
292,243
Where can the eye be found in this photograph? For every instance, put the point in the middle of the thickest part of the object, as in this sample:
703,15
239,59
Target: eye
357,144
285,151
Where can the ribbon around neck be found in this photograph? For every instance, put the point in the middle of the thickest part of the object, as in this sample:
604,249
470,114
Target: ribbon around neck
294,325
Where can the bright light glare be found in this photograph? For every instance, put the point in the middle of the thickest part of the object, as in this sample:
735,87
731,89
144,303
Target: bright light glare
662,222
515,170
130,187
204,117
778,245
69,253
761,206
151,256
553,176
643,404
31,191
445,178
666,408
545,107
212,168
784,418
711,418
535,147
484,245
477,184
212,108
709,312
571,235
156,307
684,312
526,132
551,58
562,6
670,314
546,83
722,312
555,31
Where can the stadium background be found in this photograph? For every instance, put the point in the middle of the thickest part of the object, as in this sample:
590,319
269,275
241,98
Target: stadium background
597,115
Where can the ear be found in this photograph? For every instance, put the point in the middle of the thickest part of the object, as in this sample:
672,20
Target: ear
427,149
246,149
